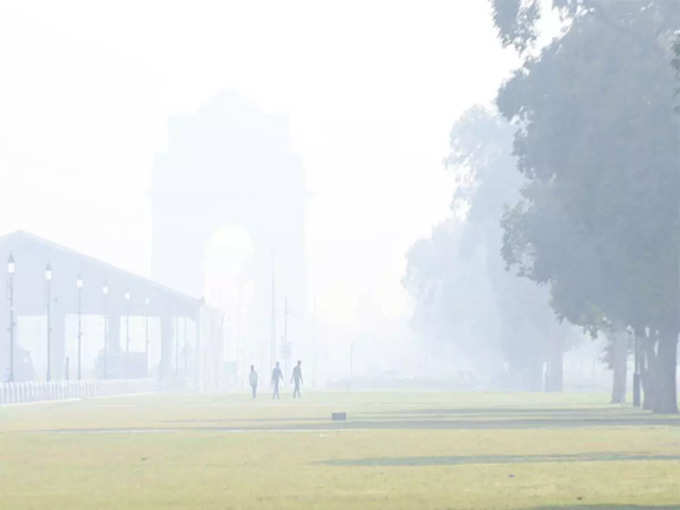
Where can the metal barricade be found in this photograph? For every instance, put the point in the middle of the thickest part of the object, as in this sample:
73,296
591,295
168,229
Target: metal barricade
34,391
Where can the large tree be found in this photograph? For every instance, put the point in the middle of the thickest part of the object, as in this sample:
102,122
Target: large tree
597,142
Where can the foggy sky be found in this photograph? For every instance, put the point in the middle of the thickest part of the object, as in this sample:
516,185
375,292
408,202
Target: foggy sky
370,88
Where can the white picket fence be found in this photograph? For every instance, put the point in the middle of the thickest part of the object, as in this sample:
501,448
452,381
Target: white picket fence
34,391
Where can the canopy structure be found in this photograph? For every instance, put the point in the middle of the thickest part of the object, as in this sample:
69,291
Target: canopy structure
128,318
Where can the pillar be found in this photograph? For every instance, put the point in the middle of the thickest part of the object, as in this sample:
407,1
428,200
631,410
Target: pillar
4,344
167,351
58,345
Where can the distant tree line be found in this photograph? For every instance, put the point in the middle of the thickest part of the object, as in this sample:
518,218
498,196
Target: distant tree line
500,324
593,212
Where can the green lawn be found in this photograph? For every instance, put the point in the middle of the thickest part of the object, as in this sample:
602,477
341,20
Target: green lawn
410,450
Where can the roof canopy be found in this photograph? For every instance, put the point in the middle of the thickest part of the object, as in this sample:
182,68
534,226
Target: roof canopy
33,254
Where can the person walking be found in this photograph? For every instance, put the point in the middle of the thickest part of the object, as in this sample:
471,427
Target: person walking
253,380
277,377
297,379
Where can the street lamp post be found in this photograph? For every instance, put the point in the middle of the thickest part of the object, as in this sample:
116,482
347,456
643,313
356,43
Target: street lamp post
105,292
48,279
11,268
351,363
287,350
79,286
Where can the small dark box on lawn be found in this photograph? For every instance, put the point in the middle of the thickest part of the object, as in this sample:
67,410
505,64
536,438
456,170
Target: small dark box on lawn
339,416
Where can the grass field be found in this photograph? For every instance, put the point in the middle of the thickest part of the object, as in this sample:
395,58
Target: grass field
410,450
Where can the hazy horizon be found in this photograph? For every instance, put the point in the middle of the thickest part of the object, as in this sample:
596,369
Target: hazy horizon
91,92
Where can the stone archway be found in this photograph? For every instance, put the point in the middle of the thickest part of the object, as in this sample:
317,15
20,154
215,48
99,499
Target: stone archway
230,164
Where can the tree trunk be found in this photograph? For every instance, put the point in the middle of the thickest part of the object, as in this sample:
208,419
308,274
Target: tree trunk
637,383
666,398
619,361
555,376
648,372
532,375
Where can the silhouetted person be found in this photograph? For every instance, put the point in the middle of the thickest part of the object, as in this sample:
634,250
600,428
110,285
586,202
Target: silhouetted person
277,377
253,380
297,379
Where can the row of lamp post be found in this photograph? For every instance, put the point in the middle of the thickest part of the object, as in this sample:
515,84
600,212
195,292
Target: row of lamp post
11,270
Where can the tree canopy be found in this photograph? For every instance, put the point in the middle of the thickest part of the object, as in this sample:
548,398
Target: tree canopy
597,141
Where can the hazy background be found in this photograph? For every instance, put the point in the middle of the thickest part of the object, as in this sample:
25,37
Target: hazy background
371,90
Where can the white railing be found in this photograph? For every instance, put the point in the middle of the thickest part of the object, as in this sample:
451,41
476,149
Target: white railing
34,391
